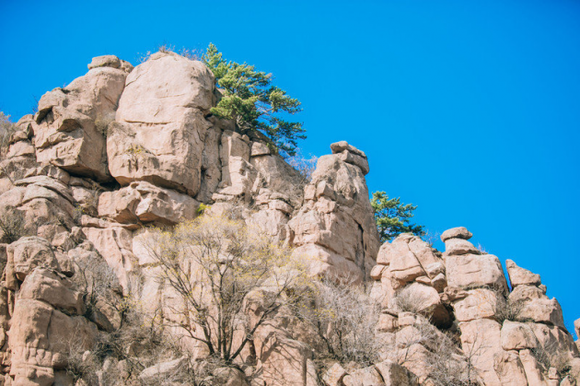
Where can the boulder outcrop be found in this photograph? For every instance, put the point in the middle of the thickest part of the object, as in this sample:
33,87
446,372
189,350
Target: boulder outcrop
122,153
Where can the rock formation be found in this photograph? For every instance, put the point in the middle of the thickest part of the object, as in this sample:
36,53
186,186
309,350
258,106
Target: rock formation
121,149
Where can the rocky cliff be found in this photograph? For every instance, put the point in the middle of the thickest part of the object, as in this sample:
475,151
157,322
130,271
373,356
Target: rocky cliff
122,149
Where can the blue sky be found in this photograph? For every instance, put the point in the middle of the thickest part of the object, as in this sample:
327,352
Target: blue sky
470,110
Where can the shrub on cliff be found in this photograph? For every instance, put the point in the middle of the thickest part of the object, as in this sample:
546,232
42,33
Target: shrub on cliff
7,128
253,103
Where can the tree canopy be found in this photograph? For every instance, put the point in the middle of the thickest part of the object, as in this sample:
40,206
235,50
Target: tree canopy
253,103
393,217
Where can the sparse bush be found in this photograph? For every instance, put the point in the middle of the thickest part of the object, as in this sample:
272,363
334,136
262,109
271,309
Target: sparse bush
345,318
304,166
7,128
508,309
406,300
12,224
445,363
550,355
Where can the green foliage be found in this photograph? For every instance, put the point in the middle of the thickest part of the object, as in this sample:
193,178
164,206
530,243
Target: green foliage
249,99
393,217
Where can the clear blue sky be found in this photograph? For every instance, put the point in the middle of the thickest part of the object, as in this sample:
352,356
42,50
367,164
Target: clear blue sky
470,111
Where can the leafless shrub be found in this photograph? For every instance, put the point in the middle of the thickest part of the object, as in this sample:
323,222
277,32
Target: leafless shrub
304,166
222,269
430,237
408,301
445,363
508,309
12,224
7,128
345,318
550,355
191,54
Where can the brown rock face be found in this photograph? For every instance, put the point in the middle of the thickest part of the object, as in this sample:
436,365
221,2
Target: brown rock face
160,124
71,122
336,221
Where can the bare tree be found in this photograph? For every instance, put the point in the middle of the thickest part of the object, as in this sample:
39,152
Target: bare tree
223,271
345,319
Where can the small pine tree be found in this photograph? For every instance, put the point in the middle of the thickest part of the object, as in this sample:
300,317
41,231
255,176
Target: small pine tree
393,217
253,103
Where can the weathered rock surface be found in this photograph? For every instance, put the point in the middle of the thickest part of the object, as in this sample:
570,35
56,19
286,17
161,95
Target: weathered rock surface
71,122
160,125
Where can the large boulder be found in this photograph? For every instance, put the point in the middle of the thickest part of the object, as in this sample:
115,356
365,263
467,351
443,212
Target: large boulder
520,276
160,125
472,271
71,122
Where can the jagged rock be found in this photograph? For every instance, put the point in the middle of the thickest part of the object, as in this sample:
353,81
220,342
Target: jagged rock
351,155
26,254
114,245
577,327
333,376
543,311
229,376
145,202
532,368
160,127
526,293
517,336
520,276
509,369
285,362
105,61
162,370
345,229
554,339
48,286
481,339
71,122
456,233
394,374
387,323
369,376
479,303
39,339
468,271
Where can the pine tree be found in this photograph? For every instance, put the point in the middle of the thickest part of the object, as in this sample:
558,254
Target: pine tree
393,217
249,99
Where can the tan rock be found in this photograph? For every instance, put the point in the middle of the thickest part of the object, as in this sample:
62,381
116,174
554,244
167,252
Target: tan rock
394,374
554,339
145,202
460,247
211,167
456,233
479,303
229,376
377,271
26,254
481,340
105,61
387,323
475,271
349,231
284,362
526,293
162,371
520,276
50,287
115,246
517,336
543,311
509,369
532,368
323,262
71,122
369,376
160,130
333,376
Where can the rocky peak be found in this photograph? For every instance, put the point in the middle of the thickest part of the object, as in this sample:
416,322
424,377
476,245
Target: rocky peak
122,149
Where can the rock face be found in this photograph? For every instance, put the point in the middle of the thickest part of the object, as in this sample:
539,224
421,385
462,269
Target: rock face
160,125
336,224
71,124
122,151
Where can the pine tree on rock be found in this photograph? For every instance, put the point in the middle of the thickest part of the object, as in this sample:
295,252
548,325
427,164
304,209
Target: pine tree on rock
253,103
393,217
